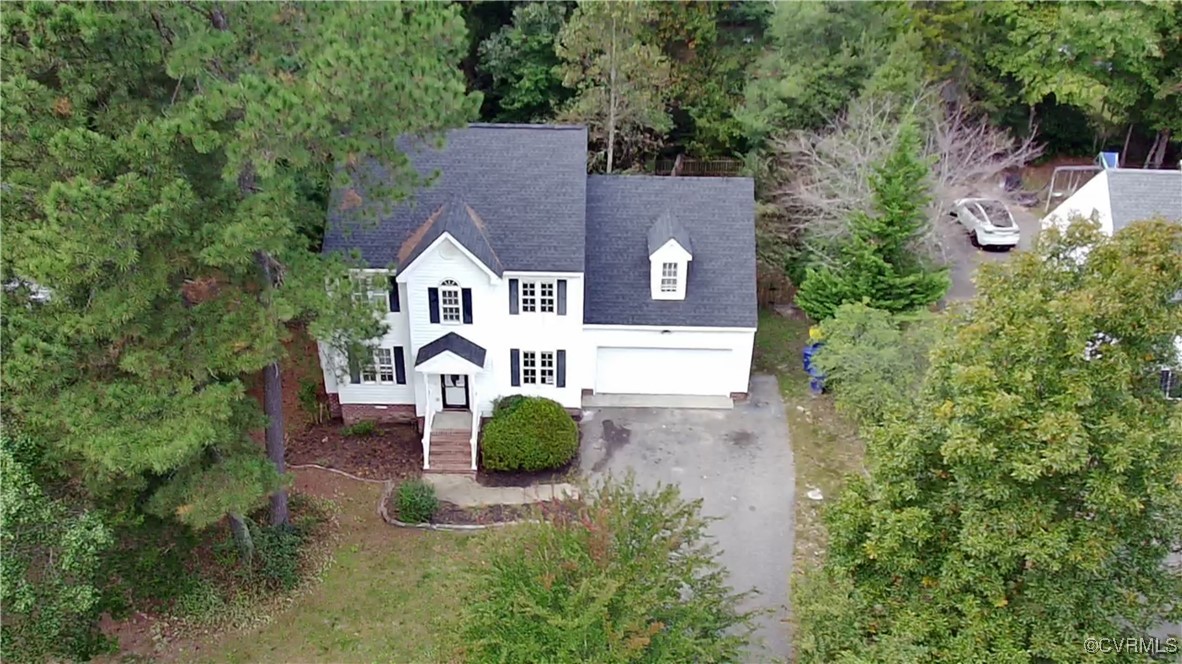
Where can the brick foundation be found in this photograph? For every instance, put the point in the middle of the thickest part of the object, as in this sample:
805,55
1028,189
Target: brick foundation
738,396
334,405
356,412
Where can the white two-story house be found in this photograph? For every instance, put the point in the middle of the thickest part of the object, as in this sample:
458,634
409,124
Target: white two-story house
511,271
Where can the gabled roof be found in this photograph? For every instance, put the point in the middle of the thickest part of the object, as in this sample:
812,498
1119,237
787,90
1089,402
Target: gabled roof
526,183
454,343
719,213
666,228
458,219
1138,194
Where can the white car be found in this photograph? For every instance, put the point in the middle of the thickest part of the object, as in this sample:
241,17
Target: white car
988,222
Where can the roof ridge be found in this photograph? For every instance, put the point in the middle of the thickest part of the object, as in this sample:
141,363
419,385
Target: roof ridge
523,125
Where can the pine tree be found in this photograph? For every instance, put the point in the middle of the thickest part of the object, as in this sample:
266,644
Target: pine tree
621,80
877,264
155,162
1030,497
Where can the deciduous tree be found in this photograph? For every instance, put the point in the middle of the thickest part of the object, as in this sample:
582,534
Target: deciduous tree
1029,499
522,62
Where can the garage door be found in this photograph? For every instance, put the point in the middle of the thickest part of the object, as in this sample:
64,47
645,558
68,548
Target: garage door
662,371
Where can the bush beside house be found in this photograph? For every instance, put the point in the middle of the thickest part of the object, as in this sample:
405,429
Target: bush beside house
529,433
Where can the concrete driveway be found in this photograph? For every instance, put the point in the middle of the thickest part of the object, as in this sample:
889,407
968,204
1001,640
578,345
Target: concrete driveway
739,462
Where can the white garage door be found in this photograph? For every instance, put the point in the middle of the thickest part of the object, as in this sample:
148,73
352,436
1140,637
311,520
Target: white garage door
662,371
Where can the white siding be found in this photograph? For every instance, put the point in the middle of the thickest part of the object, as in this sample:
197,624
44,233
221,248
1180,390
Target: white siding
698,373
336,368
1092,198
493,328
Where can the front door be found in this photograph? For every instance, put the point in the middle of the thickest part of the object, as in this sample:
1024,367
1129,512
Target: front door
455,390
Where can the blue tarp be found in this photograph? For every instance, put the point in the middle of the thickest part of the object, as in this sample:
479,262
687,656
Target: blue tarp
816,377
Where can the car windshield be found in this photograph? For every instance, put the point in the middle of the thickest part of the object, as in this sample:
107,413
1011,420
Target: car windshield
995,213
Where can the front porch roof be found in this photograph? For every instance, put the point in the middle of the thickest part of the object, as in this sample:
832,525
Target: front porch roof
450,353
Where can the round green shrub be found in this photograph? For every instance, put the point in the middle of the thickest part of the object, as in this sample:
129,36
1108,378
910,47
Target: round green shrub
415,502
533,434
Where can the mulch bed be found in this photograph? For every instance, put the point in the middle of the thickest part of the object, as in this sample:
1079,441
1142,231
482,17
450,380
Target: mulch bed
392,451
524,479
487,515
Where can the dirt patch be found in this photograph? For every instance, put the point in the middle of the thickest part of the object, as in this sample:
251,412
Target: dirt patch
392,451
487,515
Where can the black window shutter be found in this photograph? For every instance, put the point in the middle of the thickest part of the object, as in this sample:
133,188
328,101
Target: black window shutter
514,367
561,298
394,303
513,297
433,303
354,369
466,296
560,372
399,366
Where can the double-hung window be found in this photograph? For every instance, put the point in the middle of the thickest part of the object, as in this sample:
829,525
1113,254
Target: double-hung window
668,277
1171,383
370,287
381,369
538,297
450,306
537,367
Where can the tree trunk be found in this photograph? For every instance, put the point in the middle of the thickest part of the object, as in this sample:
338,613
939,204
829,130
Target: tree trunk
242,538
611,110
1124,151
273,408
1157,153
1030,121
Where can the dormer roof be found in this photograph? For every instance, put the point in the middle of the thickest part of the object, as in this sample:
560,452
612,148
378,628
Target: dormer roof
666,228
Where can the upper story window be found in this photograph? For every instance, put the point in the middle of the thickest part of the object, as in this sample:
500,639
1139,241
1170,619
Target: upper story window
371,288
451,309
668,277
1171,383
538,297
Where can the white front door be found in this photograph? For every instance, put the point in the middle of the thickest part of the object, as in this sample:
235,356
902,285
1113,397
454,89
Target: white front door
455,390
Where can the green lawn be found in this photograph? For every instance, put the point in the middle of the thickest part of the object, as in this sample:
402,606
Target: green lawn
825,447
390,596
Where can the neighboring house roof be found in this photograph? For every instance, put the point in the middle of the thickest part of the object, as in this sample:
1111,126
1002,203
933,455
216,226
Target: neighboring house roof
1136,195
666,228
718,213
524,187
455,344
461,221
1119,196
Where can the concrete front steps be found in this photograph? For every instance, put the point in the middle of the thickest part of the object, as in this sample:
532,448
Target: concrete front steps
451,453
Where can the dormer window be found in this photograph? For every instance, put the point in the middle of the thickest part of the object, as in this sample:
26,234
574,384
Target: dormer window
668,277
669,255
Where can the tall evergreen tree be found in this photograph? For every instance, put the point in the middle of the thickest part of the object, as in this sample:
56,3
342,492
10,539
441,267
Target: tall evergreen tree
620,77
155,160
1028,500
877,264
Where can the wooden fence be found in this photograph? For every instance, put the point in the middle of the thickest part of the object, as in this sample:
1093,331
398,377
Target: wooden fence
688,167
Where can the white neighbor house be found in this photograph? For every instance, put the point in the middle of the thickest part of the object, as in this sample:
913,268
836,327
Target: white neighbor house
514,272
1115,198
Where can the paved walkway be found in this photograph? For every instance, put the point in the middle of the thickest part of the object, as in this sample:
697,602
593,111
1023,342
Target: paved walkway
466,492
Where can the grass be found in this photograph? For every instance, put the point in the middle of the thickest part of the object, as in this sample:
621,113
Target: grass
390,595
825,446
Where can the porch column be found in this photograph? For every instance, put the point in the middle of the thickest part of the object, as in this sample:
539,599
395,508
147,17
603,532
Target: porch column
428,414
472,406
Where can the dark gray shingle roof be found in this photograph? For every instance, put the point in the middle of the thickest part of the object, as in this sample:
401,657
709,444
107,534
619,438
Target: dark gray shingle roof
458,218
454,343
1136,195
666,228
718,213
527,183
